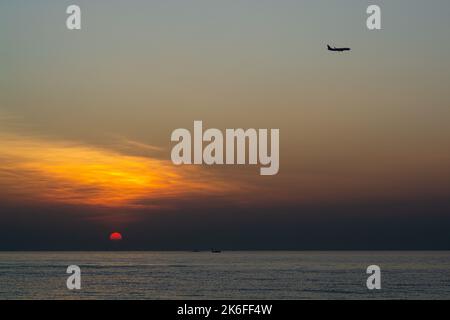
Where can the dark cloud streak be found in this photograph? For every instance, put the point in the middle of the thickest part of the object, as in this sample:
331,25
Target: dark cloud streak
399,225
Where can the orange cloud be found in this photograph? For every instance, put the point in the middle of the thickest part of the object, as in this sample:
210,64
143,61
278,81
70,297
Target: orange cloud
41,170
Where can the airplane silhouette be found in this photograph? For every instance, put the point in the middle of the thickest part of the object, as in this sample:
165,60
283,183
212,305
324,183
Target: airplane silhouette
338,49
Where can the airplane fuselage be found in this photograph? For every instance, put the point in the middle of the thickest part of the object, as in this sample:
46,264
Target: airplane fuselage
338,49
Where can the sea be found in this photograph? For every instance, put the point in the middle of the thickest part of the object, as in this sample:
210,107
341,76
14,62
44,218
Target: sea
227,275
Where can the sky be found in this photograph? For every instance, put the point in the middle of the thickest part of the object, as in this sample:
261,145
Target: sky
86,118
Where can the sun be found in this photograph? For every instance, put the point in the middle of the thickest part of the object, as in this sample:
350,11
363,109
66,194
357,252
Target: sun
115,236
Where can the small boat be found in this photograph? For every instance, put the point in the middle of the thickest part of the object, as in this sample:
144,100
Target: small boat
215,251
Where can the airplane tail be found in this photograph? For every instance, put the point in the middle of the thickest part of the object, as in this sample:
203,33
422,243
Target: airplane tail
329,48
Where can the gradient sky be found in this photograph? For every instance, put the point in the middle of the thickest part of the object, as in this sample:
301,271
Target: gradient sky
86,118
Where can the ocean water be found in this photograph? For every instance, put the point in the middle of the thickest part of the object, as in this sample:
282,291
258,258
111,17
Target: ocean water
226,275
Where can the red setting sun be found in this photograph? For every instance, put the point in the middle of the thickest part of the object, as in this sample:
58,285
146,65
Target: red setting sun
115,236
